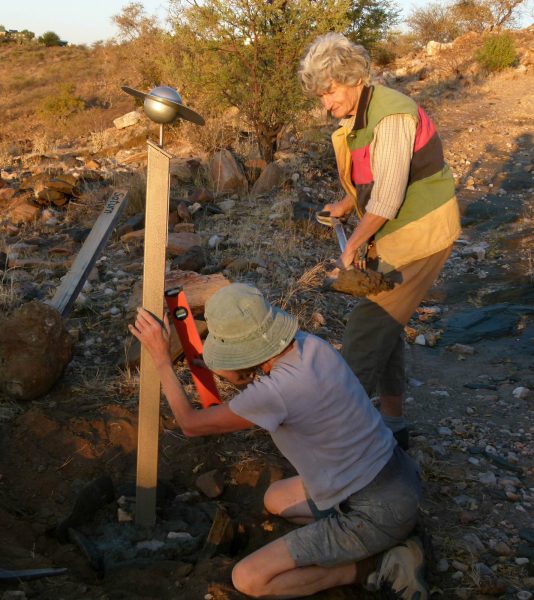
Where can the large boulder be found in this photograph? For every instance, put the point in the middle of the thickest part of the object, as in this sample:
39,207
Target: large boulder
35,348
271,177
226,175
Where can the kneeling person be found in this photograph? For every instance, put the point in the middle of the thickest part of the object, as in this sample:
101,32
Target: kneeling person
356,492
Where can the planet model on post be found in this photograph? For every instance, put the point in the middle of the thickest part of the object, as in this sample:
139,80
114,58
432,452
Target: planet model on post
163,105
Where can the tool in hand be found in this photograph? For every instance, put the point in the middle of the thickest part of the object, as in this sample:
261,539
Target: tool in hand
192,345
324,218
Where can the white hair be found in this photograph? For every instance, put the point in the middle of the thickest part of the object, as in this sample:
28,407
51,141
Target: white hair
332,57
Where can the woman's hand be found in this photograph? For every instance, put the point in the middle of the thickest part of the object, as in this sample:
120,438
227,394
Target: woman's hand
346,259
341,208
154,337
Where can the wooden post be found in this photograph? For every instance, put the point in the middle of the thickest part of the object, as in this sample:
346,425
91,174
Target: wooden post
94,244
156,226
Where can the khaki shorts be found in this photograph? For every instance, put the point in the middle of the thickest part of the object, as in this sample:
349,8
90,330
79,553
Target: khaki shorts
379,516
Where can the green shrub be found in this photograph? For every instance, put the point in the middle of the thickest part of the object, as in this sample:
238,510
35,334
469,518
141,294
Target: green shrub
62,104
497,53
382,54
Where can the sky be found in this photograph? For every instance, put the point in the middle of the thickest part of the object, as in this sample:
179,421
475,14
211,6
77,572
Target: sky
87,21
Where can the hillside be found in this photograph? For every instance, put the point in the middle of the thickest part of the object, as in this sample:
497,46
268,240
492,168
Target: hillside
470,345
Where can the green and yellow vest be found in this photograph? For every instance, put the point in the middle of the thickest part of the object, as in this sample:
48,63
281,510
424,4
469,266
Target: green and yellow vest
428,220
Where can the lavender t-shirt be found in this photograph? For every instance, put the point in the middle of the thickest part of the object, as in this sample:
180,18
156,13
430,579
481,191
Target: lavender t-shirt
321,419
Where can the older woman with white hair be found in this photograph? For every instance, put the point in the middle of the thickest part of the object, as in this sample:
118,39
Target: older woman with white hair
391,167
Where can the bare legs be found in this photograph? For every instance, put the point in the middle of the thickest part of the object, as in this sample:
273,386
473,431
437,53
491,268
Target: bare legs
271,572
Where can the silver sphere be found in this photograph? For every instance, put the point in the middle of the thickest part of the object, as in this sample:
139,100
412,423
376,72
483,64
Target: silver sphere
158,111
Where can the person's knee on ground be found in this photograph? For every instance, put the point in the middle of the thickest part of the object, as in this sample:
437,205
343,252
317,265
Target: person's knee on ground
247,580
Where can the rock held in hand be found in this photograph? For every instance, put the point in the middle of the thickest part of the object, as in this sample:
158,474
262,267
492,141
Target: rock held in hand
359,283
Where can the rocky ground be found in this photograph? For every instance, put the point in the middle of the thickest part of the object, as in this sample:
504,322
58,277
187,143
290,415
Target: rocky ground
470,351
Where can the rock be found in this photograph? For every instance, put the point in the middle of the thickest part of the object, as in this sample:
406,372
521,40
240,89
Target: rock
22,210
184,227
182,213
462,349
487,478
65,183
521,561
444,431
127,120
524,595
420,340
271,177
201,196
47,196
181,170
133,223
443,565
521,393
211,484
133,236
359,283
180,243
478,251
488,322
503,549
473,544
214,241
124,516
194,259
179,535
7,194
242,264
434,48
93,164
35,348
227,205
226,175
459,566
483,571
151,545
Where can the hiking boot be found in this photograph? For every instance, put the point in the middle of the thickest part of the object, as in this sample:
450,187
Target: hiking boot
403,438
399,573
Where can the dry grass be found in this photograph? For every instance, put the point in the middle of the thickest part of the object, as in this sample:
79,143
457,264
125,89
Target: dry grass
34,73
8,293
42,143
135,183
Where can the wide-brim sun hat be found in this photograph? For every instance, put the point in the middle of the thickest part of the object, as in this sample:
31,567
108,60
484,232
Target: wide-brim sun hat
244,329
